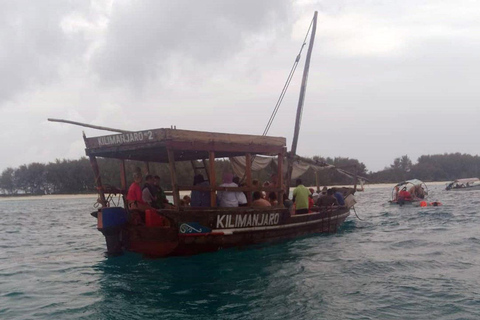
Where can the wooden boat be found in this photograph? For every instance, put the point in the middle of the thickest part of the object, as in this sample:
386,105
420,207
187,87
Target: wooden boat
191,230
417,192
464,184
181,230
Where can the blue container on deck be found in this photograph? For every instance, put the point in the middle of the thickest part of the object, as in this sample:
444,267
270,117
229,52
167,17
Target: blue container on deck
113,216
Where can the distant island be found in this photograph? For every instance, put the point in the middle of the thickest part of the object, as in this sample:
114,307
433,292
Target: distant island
76,176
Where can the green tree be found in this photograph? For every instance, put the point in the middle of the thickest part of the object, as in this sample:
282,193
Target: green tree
7,181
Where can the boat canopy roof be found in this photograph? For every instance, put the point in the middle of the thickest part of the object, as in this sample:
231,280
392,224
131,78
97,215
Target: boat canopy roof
153,145
415,182
466,180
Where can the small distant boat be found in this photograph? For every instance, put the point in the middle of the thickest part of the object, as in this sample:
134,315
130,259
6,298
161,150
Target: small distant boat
411,191
464,184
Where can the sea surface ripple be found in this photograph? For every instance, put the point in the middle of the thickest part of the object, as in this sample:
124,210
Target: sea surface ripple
395,263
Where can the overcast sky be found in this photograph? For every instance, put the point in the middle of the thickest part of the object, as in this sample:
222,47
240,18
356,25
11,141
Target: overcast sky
387,78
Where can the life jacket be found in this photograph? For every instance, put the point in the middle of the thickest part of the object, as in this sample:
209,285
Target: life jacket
405,195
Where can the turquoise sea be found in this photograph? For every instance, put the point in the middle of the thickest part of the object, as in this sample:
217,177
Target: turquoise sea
397,263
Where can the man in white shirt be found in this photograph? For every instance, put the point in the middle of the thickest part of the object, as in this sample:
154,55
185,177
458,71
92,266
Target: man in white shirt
230,198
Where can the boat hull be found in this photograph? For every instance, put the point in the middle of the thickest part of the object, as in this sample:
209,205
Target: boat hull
403,203
227,229
476,187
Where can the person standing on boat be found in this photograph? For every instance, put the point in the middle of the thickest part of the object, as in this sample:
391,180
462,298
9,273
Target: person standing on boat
230,198
200,198
300,197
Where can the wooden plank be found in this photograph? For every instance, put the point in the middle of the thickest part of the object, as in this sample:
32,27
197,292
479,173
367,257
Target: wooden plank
173,176
204,136
217,188
213,195
234,148
127,138
123,175
162,135
248,173
206,169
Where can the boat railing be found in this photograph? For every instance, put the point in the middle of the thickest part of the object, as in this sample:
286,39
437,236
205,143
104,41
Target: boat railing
218,188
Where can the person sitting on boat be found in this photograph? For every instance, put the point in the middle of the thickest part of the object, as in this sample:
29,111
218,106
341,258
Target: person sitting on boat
300,197
311,202
287,203
236,180
421,192
339,197
315,194
258,201
230,198
327,200
200,198
272,198
161,200
149,191
186,200
404,195
324,191
266,184
135,200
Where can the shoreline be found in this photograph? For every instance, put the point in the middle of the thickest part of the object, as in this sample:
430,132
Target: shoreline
5,197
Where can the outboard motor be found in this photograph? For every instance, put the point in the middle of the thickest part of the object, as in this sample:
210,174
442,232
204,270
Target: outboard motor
110,222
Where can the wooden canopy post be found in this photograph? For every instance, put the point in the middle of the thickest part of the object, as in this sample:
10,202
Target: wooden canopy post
123,175
173,176
98,181
123,181
316,181
248,173
213,195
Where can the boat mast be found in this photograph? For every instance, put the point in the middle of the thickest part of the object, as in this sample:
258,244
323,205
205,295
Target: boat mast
300,103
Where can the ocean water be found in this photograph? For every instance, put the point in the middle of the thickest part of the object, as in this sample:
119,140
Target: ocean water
395,263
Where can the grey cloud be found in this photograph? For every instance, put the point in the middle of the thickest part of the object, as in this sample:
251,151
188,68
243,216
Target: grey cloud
33,43
142,36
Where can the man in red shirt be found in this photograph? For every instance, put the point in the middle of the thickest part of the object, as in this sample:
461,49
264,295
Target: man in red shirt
134,195
405,195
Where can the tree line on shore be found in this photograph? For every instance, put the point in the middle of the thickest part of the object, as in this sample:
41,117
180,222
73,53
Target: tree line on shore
76,176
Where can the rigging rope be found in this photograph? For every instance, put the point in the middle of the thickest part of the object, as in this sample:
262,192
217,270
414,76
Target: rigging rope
284,90
287,83
353,207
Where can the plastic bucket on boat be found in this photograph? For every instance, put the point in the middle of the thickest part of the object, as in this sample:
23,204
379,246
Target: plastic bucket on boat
112,217
153,219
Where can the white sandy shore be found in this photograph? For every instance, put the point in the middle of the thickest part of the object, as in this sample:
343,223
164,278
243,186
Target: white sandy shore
94,196
51,196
